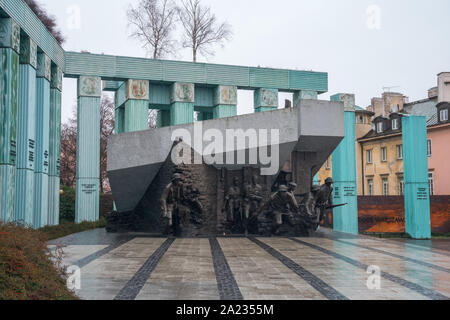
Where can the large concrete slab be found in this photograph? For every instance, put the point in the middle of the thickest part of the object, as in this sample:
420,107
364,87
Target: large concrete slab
134,159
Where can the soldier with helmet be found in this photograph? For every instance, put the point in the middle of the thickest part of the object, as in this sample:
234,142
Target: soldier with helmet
171,202
282,204
325,197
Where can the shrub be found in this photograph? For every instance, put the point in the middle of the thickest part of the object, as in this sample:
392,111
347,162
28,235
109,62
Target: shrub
67,204
27,268
66,228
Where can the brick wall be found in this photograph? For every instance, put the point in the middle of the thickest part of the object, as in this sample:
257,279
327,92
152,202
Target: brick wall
387,214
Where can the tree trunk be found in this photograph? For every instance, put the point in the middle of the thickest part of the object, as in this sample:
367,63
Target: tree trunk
194,55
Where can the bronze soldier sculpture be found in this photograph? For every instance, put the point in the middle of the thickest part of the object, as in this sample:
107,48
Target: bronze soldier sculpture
253,197
283,205
171,202
233,204
325,198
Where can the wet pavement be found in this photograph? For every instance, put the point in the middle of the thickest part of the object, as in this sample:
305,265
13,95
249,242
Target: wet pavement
328,266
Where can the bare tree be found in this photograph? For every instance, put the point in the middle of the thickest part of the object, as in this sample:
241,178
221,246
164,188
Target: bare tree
201,29
152,22
69,145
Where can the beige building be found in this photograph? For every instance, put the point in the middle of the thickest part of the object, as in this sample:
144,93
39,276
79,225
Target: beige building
379,142
362,126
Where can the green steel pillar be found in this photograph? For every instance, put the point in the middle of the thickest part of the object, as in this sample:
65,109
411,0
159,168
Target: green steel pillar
266,100
88,149
55,146
119,114
225,102
9,70
182,103
203,116
136,105
26,132
163,119
304,95
43,75
345,219
415,171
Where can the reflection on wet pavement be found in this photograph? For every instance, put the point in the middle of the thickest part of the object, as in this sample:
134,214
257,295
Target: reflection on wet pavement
330,265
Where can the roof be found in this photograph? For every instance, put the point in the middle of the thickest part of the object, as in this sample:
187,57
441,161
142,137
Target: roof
433,120
425,107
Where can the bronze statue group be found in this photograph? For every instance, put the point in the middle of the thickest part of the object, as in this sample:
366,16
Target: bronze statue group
247,211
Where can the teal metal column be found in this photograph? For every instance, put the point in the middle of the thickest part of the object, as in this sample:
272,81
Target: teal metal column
304,95
136,105
182,103
345,219
163,119
225,102
266,100
26,132
415,172
43,74
88,149
203,116
55,146
119,112
9,66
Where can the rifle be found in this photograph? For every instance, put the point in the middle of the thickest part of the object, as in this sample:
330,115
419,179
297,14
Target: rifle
335,206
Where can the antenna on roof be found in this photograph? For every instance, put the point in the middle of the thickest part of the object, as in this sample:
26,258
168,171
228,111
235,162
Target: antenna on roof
388,89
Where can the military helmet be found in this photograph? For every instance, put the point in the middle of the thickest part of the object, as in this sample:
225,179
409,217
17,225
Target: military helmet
283,188
292,184
315,188
328,180
176,176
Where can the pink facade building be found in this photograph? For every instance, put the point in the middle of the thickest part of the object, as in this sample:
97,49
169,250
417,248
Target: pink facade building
439,150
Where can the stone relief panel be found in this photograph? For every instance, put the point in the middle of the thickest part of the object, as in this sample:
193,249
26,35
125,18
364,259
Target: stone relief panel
44,66
225,95
56,81
10,34
89,86
266,98
182,92
349,102
28,52
137,90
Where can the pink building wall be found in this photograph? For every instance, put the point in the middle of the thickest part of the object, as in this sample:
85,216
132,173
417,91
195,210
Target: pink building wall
439,162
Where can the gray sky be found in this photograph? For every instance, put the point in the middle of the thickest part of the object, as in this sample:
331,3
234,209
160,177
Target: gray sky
407,47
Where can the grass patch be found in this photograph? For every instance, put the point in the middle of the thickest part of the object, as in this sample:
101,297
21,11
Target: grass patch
441,235
66,228
28,269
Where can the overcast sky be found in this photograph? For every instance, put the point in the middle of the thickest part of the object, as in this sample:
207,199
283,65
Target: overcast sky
406,47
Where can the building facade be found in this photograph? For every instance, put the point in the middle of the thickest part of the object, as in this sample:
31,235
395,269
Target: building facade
379,142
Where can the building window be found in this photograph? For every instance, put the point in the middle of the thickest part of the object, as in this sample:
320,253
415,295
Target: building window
395,124
385,187
429,149
431,183
379,127
400,152
444,115
361,119
401,186
369,156
370,186
384,154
